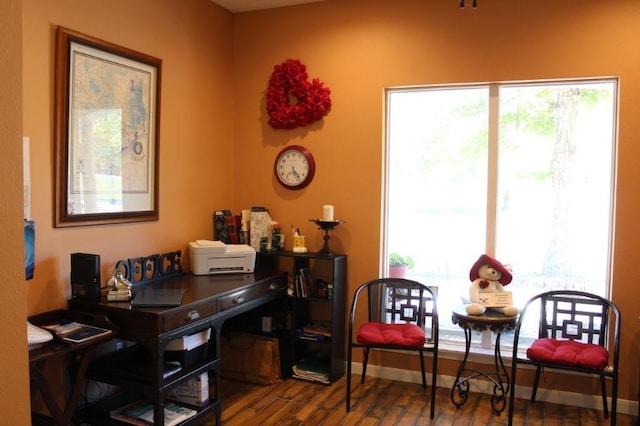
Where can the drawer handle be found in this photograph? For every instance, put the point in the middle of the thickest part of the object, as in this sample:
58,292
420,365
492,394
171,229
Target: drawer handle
273,287
237,300
193,315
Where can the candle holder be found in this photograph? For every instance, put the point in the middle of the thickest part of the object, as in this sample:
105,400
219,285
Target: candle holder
326,226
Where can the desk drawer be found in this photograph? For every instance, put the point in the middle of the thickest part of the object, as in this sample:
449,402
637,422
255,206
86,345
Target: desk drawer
191,314
239,297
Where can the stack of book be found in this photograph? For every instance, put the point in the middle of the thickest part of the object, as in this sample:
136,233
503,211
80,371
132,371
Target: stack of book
141,413
317,331
314,370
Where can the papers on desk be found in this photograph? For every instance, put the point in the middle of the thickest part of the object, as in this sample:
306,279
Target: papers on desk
76,332
36,336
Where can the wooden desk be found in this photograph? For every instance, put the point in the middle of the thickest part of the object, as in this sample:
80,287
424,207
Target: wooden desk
82,353
208,302
496,322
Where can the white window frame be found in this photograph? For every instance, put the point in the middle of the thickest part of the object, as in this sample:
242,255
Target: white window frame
487,339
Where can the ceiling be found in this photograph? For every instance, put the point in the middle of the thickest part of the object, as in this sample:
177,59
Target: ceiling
247,5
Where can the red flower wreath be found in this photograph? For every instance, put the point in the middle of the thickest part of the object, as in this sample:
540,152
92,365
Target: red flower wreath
290,80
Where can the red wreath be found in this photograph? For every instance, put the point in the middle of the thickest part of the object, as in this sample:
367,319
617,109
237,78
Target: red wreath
289,80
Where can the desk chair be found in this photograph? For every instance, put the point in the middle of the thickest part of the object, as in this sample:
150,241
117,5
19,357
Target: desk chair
400,315
577,331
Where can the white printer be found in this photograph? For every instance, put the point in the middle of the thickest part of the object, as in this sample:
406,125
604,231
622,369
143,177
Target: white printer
216,257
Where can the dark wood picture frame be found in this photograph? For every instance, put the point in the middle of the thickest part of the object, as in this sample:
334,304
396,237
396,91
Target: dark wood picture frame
106,132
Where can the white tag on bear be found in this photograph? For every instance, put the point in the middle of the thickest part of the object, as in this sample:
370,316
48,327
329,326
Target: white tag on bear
496,300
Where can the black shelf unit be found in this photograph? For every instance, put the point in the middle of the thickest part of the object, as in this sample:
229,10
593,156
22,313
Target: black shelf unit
134,369
329,353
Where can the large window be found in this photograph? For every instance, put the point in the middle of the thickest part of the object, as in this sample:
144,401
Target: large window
523,171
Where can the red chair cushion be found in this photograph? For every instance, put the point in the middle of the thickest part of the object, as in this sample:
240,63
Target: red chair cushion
377,333
568,352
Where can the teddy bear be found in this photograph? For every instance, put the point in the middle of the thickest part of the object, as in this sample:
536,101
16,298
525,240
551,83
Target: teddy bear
488,275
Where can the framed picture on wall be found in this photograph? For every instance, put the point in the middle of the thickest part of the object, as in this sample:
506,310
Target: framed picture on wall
106,122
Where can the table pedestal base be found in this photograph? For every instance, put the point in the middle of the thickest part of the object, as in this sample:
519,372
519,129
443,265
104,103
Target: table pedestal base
499,377
495,322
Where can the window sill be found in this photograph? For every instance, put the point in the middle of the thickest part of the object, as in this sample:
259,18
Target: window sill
476,354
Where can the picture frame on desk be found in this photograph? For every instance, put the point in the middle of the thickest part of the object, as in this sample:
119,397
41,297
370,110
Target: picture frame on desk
106,122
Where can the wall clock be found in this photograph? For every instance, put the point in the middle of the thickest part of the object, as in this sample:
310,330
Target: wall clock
294,167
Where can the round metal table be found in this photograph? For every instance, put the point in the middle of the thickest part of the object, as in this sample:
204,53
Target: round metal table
495,322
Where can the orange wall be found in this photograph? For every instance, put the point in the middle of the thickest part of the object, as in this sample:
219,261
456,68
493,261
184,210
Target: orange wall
14,373
359,47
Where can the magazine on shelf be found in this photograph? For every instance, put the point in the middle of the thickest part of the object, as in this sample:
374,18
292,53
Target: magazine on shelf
141,413
76,332
315,370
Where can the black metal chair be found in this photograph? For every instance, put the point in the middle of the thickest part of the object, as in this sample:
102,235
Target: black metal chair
401,314
577,331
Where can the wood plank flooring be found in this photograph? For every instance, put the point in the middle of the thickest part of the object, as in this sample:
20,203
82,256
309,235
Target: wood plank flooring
383,402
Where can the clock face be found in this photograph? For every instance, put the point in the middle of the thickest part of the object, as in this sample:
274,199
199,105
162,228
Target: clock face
294,167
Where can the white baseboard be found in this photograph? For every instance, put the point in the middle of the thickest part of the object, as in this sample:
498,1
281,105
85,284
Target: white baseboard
484,386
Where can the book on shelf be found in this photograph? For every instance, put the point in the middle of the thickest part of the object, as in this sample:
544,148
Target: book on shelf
232,230
220,231
141,413
75,332
299,287
320,330
315,370
292,283
306,279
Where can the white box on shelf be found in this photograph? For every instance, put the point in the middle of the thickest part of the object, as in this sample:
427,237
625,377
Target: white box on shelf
188,349
189,341
193,392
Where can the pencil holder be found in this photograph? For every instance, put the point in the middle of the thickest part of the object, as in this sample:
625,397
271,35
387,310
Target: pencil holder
299,241
299,245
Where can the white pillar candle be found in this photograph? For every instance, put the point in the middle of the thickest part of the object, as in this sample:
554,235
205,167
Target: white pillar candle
327,213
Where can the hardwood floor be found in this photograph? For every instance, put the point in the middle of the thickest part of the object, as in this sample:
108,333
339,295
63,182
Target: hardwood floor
383,402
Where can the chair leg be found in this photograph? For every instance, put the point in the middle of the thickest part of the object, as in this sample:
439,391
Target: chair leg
535,384
434,378
512,391
603,386
614,400
348,396
364,364
424,377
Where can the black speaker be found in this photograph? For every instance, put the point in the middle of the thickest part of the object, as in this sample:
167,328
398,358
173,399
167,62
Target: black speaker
85,276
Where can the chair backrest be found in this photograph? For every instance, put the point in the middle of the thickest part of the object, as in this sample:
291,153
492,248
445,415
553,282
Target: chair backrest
399,300
576,315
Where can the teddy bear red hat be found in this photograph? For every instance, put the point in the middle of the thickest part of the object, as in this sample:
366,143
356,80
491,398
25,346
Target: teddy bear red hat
485,259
